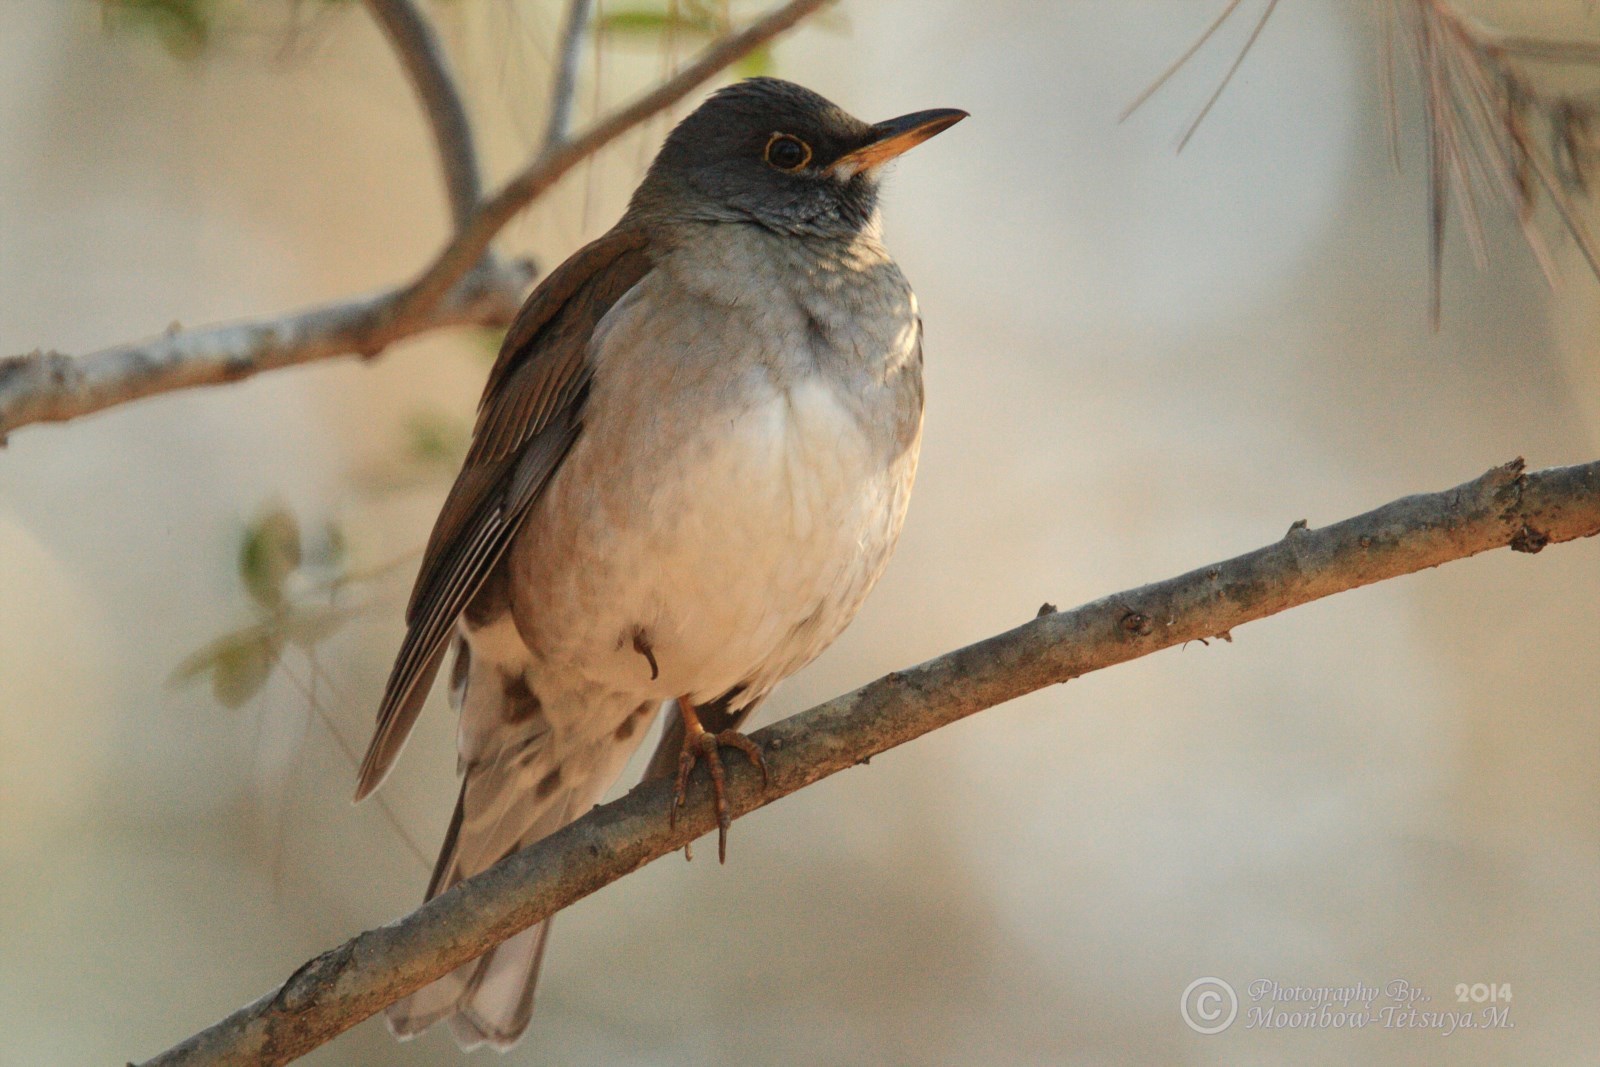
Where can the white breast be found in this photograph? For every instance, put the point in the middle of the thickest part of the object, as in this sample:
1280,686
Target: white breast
735,493
768,542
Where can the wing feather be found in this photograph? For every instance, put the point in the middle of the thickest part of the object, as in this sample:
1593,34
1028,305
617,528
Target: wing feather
530,416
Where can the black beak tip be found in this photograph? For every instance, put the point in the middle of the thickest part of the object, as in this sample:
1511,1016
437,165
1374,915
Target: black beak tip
927,123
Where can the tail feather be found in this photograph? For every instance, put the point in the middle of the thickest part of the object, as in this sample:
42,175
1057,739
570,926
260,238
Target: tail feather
489,1000
522,781
498,1001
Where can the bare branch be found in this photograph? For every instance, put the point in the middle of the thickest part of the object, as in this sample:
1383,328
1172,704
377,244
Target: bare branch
336,990
564,88
422,55
460,286
52,387
556,159
1477,105
1238,61
1178,64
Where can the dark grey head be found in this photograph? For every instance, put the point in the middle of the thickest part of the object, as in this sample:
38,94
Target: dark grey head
773,153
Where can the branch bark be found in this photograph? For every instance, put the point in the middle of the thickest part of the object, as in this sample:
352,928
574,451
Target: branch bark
49,386
461,286
341,987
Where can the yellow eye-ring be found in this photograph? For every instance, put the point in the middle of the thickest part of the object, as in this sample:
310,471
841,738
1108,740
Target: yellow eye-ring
787,152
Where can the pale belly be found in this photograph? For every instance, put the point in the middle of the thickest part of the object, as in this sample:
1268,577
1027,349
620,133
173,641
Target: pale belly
731,558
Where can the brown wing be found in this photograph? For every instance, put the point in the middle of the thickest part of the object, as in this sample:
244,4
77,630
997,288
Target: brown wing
530,415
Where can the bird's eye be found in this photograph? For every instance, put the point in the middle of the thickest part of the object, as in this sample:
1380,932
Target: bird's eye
786,152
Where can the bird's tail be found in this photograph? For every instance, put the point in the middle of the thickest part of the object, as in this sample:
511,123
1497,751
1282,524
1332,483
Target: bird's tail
520,790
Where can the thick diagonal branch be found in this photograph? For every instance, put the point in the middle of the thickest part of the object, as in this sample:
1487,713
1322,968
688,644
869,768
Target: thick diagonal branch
329,994
455,289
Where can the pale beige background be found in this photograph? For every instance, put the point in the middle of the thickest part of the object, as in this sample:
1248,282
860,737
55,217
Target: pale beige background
1137,363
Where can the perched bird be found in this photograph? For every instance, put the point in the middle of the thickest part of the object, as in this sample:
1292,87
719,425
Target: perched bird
691,462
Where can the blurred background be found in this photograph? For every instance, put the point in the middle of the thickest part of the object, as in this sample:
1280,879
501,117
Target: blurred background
1138,362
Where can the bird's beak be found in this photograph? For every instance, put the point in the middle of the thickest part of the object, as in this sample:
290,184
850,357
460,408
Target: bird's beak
890,139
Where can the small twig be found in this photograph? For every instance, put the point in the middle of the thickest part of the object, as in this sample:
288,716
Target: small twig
459,288
564,87
555,160
422,54
1391,97
1474,104
1238,61
336,990
1438,121
1178,64
315,710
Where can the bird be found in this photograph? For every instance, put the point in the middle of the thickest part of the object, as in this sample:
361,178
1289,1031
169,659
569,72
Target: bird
691,462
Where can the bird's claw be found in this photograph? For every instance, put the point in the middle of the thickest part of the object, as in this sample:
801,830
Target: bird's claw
700,744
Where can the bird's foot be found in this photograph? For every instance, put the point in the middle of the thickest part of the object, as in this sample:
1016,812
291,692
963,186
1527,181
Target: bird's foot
701,744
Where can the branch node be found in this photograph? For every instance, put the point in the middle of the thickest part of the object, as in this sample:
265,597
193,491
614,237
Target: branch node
314,978
1046,608
1506,474
1297,526
1138,624
1529,540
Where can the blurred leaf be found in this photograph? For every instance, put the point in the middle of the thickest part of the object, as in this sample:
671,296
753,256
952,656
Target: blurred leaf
656,22
242,668
757,64
436,439
238,664
269,554
489,341
329,549
308,627
182,26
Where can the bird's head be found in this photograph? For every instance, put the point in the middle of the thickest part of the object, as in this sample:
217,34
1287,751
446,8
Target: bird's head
771,152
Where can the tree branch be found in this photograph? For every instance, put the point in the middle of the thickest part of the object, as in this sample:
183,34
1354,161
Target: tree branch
454,290
421,53
52,387
553,161
564,88
341,987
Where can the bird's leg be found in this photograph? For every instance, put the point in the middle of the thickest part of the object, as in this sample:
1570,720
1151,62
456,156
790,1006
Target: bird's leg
700,743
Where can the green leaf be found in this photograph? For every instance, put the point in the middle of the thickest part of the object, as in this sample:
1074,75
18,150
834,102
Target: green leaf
242,668
757,64
435,438
237,663
655,22
269,553
489,341
182,26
